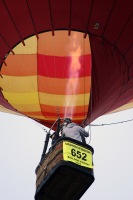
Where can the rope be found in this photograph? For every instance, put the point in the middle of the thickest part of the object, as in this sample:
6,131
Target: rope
84,76
91,94
112,123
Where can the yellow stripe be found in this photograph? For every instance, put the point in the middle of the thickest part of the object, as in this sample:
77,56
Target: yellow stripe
53,118
48,85
29,48
27,107
47,99
21,98
5,110
19,84
63,100
124,107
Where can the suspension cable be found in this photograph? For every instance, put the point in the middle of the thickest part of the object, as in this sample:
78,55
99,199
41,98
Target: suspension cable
112,123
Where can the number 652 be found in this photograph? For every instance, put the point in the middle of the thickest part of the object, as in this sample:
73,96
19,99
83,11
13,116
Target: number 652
79,154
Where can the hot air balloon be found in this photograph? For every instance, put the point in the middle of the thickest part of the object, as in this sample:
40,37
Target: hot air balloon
66,58
30,33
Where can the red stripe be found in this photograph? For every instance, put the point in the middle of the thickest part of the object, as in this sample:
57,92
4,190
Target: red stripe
58,67
62,114
46,114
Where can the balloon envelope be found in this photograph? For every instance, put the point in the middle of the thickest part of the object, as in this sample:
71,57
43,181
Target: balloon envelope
38,62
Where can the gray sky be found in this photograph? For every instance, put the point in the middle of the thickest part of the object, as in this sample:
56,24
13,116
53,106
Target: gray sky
21,144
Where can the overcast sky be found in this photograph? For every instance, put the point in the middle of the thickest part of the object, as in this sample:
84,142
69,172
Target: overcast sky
21,144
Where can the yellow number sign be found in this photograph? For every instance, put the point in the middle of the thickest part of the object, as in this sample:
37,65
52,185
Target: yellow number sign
77,154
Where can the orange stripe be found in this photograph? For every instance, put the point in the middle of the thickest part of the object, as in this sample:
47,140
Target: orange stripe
58,86
20,65
53,109
60,44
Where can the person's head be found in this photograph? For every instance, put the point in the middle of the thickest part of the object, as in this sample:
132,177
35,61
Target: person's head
67,121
